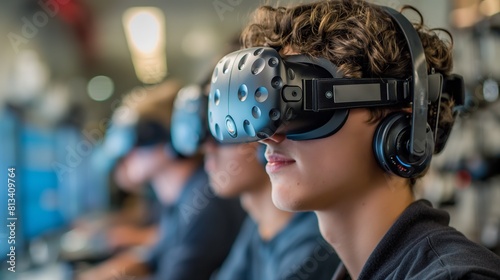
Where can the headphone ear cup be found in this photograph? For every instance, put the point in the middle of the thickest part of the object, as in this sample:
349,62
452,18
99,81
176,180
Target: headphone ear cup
391,146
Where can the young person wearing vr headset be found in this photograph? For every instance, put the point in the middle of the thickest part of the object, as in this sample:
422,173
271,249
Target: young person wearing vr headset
196,229
272,243
351,100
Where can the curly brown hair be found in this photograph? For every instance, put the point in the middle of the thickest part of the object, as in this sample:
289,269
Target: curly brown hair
358,37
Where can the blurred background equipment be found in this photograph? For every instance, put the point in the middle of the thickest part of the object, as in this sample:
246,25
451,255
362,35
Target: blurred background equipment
465,178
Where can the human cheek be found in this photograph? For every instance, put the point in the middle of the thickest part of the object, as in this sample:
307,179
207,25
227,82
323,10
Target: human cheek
225,178
288,190
281,193
136,169
246,152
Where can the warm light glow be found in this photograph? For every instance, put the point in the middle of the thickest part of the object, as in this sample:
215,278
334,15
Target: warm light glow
145,33
144,30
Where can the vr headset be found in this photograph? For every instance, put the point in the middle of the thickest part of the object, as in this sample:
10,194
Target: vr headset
121,138
189,127
189,121
256,93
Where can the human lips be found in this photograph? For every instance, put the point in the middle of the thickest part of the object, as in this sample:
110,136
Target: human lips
276,162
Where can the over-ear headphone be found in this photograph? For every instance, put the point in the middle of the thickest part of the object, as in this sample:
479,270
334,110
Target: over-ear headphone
403,142
392,150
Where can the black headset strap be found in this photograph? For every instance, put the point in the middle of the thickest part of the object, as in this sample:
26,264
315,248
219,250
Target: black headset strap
328,94
419,83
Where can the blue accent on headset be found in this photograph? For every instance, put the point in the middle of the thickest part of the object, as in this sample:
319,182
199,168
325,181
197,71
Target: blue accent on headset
402,163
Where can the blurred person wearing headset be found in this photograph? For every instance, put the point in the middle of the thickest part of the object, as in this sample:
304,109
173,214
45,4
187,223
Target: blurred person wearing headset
272,244
351,100
196,228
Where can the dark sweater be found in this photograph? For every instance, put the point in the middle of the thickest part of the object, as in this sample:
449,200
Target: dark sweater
197,232
422,245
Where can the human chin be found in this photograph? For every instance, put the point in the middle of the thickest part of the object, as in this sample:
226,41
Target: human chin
221,187
287,194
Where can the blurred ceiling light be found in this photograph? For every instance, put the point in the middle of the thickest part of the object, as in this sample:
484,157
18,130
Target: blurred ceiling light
145,33
489,7
100,88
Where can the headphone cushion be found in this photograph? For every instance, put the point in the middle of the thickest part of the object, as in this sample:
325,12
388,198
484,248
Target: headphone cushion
391,146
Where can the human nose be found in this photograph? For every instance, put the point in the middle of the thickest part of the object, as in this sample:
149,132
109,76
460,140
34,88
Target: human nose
274,139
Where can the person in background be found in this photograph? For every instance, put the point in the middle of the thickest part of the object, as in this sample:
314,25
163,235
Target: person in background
272,244
196,228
